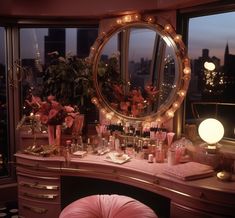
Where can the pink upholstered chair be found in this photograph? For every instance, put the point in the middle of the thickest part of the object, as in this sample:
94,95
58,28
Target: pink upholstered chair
107,206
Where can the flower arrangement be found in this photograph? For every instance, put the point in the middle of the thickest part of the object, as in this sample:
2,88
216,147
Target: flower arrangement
122,94
51,112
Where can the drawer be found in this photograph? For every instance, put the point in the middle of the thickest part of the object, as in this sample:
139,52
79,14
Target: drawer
179,211
38,182
46,189
36,209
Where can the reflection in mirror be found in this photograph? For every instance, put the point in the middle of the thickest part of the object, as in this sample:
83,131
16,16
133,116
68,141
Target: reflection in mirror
138,71
138,84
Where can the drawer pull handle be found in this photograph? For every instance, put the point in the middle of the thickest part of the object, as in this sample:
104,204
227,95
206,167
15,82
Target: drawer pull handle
40,196
35,209
39,186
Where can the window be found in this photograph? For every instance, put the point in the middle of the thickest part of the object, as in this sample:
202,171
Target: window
23,58
37,46
211,47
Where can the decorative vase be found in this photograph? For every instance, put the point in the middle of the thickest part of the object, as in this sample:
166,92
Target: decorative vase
54,134
58,135
170,136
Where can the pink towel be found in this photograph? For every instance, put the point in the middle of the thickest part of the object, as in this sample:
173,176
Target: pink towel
189,171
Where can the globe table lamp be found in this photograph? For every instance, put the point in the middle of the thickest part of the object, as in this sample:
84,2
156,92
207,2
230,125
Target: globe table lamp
211,131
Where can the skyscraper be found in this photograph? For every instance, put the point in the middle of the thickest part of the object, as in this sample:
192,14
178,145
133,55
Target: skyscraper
55,41
85,39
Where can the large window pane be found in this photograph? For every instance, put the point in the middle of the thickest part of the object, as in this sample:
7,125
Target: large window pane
4,143
37,46
211,44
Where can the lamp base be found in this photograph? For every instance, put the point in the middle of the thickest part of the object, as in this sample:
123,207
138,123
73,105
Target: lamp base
211,149
224,176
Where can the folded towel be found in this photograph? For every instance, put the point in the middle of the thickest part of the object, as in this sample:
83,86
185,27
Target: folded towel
189,171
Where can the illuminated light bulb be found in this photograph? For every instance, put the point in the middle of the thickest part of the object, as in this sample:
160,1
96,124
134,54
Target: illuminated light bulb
127,18
159,119
109,116
187,70
168,28
209,66
119,21
170,113
94,100
182,93
186,78
176,104
150,19
111,113
178,38
119,121
103,33
103,111
136,16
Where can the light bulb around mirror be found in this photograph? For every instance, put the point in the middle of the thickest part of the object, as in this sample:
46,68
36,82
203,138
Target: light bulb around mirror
187,70
168,28
211,131
94,100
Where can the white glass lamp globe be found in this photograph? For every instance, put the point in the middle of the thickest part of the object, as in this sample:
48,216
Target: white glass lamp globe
211,131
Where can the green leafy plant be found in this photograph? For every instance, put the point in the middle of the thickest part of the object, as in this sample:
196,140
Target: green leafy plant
69,79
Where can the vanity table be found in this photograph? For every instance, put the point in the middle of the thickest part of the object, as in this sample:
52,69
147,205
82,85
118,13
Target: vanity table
39,185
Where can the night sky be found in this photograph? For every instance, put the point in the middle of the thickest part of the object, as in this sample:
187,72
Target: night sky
212,32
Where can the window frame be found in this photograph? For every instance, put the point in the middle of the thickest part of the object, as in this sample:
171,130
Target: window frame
183,17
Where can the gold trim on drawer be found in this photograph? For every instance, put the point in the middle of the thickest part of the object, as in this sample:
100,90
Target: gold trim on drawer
38,210
39,186
40,196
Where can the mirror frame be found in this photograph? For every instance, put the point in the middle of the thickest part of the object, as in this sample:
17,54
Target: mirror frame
168,109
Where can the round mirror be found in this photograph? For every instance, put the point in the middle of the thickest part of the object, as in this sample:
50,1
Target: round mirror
141,71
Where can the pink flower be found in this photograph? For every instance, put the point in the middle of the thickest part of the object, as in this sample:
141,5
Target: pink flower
69,109
69,121
51,98
43,118
52,113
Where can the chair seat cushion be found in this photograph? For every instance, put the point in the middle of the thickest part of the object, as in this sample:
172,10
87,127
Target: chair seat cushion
107,206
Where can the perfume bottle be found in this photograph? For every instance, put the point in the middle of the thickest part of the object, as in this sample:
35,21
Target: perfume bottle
67,153
159,153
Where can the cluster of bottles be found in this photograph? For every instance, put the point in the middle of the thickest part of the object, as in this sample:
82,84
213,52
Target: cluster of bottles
152,144
135,129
